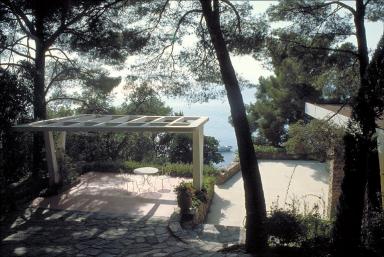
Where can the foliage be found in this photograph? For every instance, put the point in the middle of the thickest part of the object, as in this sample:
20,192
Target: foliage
198,196
280,101
179,148
15,147
308,232
144,100
14,105
184,192
284,226
173,169
317,138
373,232
268,149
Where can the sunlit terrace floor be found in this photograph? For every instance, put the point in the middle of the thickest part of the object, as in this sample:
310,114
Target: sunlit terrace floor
303,184
117,193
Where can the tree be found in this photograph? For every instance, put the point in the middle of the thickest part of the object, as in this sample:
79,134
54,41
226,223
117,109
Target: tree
324,17
34,32
144,100
212,28
301,75
178,148
316,138
256,236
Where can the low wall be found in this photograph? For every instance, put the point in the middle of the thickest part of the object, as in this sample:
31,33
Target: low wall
227,173
282,156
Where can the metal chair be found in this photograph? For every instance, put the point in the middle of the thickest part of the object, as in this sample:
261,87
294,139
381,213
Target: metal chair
163,177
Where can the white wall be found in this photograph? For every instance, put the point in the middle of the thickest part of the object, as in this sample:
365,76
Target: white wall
324,114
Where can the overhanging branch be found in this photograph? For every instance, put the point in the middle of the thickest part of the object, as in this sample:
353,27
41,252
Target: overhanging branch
227,2
20,15
320,48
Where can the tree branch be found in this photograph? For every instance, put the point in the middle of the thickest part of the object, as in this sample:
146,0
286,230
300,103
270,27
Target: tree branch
19,14
321,48
19,53
56,78
67,98
227,2
75,19
161,14
63,53
13,64
337,112
349,8
322,5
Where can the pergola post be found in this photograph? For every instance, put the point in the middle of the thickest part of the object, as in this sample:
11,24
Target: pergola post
53,168
197,148
61,145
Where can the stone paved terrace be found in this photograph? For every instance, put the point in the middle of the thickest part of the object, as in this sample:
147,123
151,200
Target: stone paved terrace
47,232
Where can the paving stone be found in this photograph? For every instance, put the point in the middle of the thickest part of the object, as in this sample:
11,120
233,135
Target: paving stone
113,250
72,233
140,239
159,254
92,251
107,255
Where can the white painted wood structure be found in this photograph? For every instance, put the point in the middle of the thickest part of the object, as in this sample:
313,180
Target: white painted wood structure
341,116
119,123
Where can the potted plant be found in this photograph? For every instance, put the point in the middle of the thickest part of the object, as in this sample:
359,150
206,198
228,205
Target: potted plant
184,193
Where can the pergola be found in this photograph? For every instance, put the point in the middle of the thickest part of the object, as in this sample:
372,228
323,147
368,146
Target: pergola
119,123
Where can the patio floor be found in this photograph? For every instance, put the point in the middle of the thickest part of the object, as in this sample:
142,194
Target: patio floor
116,193
302,183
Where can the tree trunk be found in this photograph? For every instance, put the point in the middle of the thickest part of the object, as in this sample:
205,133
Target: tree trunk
360,169
256,236
39,106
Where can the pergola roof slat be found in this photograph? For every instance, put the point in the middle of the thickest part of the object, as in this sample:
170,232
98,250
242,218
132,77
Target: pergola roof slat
117,123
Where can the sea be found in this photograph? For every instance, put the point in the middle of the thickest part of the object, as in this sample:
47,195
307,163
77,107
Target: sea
218,112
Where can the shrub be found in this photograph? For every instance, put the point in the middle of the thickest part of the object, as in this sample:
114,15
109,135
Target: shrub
172,169
185,193
104,166
315,138
373,232
268,149
199,200
289,227
285,227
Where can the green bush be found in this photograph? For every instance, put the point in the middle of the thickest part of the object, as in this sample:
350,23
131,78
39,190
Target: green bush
285,227
315,138
289,227
373,232
172,169
268,149
198,196
104,166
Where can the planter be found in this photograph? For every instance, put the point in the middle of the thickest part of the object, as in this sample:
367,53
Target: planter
184,201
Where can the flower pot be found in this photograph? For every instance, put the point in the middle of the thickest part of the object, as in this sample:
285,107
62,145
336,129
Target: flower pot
184,200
